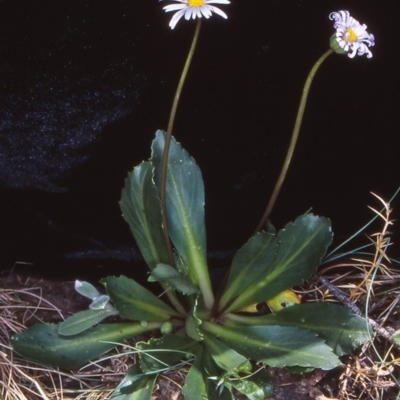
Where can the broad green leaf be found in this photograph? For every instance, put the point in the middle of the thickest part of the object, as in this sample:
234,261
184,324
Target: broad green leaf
248,263
195,386
141,208
225,357
302,244
158,354
83,320
43,344
166,273
277,346
185,209
342,330
135,386
135,302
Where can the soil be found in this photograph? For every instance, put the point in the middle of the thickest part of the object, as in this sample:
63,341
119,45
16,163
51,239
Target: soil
318,384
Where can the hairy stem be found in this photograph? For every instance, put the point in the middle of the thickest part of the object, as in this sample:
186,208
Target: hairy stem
293,141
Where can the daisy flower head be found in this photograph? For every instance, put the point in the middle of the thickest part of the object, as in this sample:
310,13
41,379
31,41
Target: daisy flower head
351,37
194,9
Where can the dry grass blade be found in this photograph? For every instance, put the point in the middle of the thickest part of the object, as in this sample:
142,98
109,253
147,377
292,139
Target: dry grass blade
371,284
21,380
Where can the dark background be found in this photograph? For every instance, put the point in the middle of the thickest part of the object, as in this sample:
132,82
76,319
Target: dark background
85,84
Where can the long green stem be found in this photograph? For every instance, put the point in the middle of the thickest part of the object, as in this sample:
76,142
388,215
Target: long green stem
168,141
293,141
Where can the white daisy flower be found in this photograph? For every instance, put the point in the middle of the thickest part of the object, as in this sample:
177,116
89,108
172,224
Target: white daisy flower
194,9
351,37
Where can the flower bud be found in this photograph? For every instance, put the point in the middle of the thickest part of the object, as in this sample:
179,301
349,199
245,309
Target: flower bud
166,328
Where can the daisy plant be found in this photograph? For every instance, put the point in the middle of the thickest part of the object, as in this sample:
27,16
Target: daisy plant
216,332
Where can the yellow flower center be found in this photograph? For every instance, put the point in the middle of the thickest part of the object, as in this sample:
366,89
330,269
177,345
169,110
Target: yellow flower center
196,3
350,35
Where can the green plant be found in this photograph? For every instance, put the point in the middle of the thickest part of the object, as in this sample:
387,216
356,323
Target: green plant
210,331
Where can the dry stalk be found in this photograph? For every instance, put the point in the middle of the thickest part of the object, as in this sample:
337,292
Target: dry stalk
22,380
370,373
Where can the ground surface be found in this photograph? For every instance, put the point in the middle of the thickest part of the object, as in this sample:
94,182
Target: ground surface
38,294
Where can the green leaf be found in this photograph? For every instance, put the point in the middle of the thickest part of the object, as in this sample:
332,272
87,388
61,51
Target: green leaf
396,337
135,385
166,273
263,380
192,323
249,388
270,228
225,357
299,370
301,245
158,354
200,382
195,386
207,381
83,320
141,208
135,302
43,344
250,262
100,303
277,346
192,327
212,374
342,330
180,264
86,289
185,209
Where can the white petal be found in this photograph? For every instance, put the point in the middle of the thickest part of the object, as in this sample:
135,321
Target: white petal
353,52
189,13
198,12
219,12
218,2
206,11
176,17
174,7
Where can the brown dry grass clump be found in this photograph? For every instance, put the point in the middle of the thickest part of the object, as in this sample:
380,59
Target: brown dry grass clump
22,380
369,286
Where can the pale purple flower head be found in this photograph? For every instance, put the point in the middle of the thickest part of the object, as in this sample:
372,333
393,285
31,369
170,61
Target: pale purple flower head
351,37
